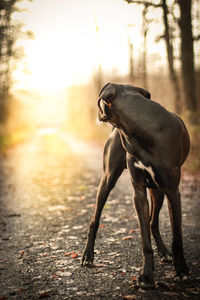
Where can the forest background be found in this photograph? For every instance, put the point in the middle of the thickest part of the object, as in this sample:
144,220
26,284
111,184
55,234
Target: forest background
163,56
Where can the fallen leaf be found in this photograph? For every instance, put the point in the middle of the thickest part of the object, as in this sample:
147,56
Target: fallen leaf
58,207
121,230
136,268
194,292
171,293
100,265
112,253
131,231
130,297
123,271
110,239
78,227
68,253
43,295
165,285
62,274
74,255
128,237
185,295
134,278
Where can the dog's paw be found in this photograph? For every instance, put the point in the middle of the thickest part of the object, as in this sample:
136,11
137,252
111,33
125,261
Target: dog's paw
165,255
182,273
182,276
167,258
87,258
87,263
146,281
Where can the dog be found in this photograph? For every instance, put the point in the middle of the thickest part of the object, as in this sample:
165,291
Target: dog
153,144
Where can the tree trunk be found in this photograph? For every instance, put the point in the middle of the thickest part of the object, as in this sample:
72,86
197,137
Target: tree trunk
145,31
131,63
187,56
170,58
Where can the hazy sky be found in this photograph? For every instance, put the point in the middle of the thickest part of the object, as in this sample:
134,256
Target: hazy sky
67,50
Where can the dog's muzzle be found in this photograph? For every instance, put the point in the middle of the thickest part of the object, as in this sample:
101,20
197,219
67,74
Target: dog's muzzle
104,112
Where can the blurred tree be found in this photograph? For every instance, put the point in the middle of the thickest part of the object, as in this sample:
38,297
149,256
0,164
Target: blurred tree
170,57
9,31
187,53
98,76
196,32
169,46
145,24
6,47
131,60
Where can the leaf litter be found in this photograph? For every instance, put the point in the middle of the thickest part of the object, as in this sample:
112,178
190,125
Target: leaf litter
117,254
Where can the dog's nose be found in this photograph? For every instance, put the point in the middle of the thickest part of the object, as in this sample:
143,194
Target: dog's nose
103,118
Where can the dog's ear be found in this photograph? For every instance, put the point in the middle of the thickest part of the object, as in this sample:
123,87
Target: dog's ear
143,92
140,90
107,93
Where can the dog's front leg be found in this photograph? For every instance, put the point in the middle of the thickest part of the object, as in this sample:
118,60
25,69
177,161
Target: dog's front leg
106,185
102,194
113,166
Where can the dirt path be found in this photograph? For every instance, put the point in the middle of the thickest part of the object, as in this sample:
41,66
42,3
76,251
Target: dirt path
47,195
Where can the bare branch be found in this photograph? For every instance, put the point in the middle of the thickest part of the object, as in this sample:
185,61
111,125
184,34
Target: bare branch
146,3
196,38
159,37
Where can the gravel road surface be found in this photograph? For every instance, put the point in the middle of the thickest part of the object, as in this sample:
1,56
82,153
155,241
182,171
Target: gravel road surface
47,196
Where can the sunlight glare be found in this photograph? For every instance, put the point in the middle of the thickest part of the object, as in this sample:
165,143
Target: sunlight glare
67,49
47,131
72,39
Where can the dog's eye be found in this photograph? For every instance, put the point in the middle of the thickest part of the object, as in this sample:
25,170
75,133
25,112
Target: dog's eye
108,99
107,103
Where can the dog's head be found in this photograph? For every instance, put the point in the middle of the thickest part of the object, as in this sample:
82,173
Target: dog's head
115,99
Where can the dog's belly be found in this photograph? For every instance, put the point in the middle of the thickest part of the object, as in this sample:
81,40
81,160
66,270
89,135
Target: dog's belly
149,174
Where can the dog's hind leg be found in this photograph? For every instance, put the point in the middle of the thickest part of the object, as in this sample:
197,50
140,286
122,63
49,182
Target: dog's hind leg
174,203
157,198
114,164
138,179
142,208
